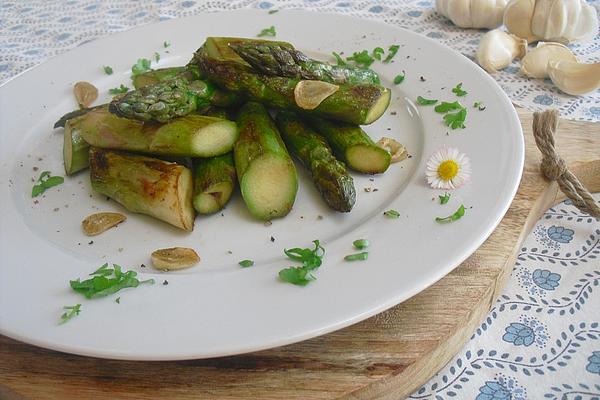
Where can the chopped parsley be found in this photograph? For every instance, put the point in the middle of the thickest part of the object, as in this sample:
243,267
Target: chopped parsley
156,56
70,312
267,32
362,59
456,120
451,218
118,90
118,300
422,101
399,79
166,44
377,53
107,281
479,105
310,260
361,244
391,214
107,70
273,11
392,51
458,90
246,263
444,107
142,65
444,198
357,257
44,182
340,61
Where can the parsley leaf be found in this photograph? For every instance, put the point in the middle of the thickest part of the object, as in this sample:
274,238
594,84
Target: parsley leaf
357,257
456,120
362,59
444,198
70,312
399,79
444,107
391,214
142,65
267,32
360,244
310,259
479,105
44,182
166,44
156,56
377,53
246,263
457,215
118,90
339,59
393,49
459,91
425,102
107,70
107,281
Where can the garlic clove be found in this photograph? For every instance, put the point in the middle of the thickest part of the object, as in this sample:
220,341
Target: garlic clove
497,49
517,18
574,78
535,62
587,24
563,21
487,13
549,18
458,11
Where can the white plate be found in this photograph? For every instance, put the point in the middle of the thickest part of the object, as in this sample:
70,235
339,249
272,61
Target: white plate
219,308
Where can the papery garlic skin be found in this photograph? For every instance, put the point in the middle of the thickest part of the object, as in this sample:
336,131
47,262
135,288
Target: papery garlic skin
535,62
497,49
473,13
573,77
562,21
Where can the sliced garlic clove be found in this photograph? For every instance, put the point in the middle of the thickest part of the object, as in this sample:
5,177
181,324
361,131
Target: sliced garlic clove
97,223
535,62
497,49
309,94
85,94
395,148
574,78
517,18
174,258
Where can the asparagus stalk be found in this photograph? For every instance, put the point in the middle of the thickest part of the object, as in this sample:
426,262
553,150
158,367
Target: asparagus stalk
145,185
266,173
271,58
357,104
190,72
75,149
328,174
190,136
353,146
214,181
164,101
220,48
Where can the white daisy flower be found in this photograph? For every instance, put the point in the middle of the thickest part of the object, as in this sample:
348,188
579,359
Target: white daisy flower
448,168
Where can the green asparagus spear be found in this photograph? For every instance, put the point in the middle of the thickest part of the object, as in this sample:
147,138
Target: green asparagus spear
145,185
328,174
191,136
358,104
220,47
266,173
74,114
166,100
214,181
190,72
270,58
75,149
353,146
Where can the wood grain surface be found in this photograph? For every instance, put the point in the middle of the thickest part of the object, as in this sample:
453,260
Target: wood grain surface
385,357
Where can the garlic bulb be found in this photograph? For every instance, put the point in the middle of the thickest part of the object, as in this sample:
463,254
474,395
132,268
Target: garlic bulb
472,13
535,62
573,77
497,49
561,21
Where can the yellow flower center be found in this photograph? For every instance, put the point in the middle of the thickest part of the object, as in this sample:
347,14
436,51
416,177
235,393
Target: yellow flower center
448,170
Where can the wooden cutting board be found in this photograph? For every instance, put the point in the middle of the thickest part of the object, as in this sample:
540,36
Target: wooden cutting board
385,357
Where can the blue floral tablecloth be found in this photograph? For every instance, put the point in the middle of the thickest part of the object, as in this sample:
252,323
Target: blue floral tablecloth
541,340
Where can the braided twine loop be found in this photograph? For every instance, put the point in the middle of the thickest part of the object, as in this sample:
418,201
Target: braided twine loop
554,168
